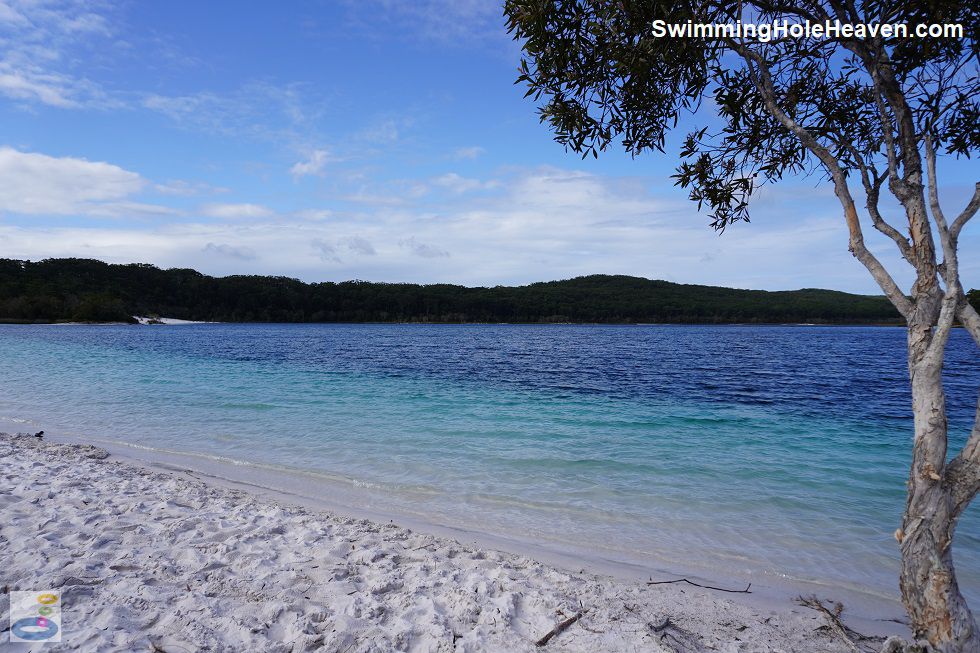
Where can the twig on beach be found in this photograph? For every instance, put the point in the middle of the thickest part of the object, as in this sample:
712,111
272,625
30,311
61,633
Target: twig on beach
557,630
747,589
158,648
676,638
902,622
850,636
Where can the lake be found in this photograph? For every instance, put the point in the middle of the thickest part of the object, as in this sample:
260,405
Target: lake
772,451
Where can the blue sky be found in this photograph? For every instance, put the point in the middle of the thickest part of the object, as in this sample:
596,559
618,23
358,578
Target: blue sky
370,139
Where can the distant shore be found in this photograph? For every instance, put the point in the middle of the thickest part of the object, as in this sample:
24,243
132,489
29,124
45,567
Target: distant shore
90,290
151,557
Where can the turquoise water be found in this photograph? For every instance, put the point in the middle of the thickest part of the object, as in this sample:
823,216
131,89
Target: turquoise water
778,451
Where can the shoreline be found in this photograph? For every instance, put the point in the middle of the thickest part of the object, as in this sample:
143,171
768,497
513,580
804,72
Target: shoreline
713,607
179,322
351,498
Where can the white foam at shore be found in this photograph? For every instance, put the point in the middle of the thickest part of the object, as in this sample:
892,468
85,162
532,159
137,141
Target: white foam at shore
147,558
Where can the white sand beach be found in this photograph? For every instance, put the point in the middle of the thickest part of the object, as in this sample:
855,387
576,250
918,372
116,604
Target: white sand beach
171,321
151,560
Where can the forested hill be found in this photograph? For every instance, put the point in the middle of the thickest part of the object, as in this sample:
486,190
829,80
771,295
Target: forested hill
87,290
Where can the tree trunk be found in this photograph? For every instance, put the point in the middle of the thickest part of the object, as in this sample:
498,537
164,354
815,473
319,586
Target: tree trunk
938,611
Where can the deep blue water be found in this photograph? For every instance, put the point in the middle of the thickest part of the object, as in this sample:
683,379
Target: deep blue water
780,450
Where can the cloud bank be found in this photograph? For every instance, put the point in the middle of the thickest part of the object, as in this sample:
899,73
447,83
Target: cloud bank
34,184
527,225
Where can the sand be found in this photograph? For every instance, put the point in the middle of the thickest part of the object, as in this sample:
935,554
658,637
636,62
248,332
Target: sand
152,560
171,321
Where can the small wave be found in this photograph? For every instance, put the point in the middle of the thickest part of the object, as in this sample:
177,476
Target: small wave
250,406
18,420
321,475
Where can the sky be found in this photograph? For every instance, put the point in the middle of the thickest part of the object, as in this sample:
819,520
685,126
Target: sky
381,140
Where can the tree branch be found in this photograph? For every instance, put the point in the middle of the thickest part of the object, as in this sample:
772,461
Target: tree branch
966,215
879,67
954,302
761,78
872,192
908,189
937,211
793,9
886,130
962,474
951,272
969,319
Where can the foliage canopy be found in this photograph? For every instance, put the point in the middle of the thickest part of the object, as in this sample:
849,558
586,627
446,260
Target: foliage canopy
602,76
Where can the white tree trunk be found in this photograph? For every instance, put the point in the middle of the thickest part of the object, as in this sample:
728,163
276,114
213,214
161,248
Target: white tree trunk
938,611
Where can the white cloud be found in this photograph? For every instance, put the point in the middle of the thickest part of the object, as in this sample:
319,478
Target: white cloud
311,166
178,107
85,23
449,22
126,209
360,245
182,188
382,133
61,53
221,249
541,224
468,153
227,211
458,184
46,88
41,44
313,215
400,192
326,251
35,183
422,249
9,16
279,113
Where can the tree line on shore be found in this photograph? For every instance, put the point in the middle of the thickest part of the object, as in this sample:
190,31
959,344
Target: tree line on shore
56,290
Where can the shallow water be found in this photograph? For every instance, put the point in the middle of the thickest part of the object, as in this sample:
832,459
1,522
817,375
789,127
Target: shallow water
774,450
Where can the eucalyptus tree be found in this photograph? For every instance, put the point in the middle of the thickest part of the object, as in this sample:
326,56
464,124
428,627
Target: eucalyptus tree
848,91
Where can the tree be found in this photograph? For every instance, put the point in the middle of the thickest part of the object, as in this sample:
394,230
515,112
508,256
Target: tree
81,289
870,111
